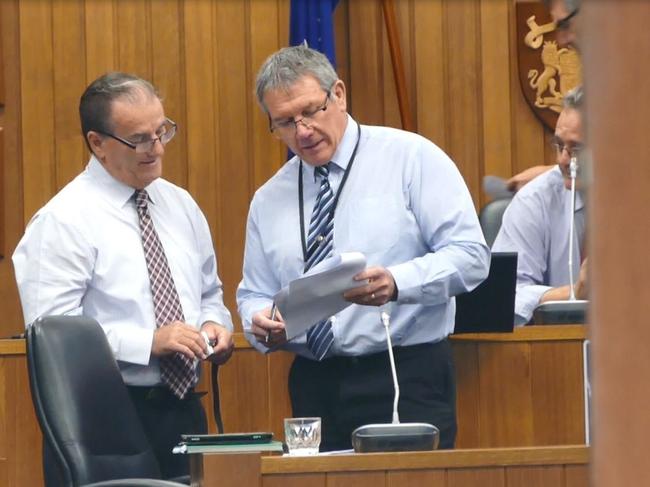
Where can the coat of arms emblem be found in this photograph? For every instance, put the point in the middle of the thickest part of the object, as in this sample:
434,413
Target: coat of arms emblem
546,71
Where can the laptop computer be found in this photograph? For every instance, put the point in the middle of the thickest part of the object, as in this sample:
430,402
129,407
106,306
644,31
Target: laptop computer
491,306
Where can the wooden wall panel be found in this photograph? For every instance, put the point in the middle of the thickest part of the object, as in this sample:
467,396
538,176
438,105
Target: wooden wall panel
133,34
496,89
100,38
430,72
69,83
233,83
11,193
167,62
37,104
463,90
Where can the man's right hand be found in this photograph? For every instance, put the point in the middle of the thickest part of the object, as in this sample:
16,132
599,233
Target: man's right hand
582,286
178,337
268,332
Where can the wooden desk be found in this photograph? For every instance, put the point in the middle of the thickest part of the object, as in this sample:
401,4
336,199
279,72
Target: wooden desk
562,466
519,389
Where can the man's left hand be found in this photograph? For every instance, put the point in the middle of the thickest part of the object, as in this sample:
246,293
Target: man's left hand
221,338
380,287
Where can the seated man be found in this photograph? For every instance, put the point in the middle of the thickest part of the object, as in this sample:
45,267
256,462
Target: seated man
536,224
123,246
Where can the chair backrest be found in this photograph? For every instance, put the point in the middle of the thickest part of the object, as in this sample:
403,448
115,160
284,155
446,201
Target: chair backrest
83,407
490,218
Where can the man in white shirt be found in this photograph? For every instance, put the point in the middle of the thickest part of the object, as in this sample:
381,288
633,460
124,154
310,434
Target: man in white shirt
90,251
389,194
536,224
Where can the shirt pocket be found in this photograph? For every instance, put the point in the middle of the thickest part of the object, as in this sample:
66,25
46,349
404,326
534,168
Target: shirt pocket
373,223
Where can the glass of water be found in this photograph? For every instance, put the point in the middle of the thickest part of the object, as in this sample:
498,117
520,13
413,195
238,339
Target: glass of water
302,435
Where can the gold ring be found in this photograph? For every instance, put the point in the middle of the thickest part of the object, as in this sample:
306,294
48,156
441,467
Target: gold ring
372,296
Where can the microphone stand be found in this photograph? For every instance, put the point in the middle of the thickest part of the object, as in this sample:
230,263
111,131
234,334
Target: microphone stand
394,436
574,310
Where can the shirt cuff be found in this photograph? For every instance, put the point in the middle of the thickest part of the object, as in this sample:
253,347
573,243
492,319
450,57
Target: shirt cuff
135,347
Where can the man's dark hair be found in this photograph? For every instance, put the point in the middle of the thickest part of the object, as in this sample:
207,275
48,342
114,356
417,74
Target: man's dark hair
95,103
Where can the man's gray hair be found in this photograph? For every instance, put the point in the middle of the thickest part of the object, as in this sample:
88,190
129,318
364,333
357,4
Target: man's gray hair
95,103
283,68
574,98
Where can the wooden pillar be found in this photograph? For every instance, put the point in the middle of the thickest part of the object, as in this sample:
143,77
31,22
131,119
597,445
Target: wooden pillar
615,41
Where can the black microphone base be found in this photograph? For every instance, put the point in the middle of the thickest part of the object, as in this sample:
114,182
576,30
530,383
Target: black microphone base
561,312
395,437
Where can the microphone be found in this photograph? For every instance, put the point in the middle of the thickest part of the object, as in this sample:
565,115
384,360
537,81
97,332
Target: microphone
574,310
394,436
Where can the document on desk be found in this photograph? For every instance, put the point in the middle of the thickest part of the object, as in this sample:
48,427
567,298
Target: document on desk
319,293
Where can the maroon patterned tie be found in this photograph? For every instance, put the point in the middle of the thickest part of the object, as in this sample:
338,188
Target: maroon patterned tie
176,371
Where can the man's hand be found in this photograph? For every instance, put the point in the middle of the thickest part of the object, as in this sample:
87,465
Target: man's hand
563,293
178,337
582,286
516,182
380,287
268,332
221,338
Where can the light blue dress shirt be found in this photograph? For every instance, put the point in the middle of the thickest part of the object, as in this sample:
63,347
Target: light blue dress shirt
536,226
405,206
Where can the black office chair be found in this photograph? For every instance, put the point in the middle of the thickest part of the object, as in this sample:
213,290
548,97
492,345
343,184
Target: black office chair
490,218
90,427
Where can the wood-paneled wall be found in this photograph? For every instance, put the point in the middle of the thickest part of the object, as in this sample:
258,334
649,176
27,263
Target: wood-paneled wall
203,55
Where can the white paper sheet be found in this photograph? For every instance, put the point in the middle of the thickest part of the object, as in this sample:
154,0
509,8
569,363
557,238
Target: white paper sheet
319,293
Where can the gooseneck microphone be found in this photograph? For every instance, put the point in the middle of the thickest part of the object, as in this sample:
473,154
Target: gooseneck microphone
394,436
574,310
573,173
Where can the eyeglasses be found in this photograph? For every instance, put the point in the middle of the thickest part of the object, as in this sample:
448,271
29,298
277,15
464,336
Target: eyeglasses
288,127
573,150
165,134
565,23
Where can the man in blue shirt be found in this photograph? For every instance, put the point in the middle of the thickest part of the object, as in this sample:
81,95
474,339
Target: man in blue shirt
536,224
399,200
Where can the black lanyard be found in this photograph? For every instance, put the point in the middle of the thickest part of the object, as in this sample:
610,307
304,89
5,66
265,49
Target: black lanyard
301,204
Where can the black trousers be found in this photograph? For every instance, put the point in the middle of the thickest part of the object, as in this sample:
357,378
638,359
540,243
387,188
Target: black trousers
348,392
164,418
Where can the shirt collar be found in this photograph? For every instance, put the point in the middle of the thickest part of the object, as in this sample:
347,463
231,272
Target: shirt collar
116,192
341,157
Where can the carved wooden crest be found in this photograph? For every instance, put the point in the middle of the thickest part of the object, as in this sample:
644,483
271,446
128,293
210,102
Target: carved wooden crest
546,71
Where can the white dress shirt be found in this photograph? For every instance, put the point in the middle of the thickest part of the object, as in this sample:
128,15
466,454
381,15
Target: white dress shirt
82,254
536,226
405,206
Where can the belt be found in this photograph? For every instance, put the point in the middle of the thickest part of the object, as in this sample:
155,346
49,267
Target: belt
398,351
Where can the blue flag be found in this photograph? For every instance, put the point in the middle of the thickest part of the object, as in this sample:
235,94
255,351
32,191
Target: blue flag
312,21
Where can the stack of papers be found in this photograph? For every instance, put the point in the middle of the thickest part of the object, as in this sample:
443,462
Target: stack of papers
318,294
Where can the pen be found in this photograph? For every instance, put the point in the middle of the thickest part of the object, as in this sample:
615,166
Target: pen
273,310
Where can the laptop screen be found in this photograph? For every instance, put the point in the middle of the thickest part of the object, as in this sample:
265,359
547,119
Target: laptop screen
491,306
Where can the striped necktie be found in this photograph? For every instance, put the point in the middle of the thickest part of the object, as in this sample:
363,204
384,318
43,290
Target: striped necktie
176,371
319,246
